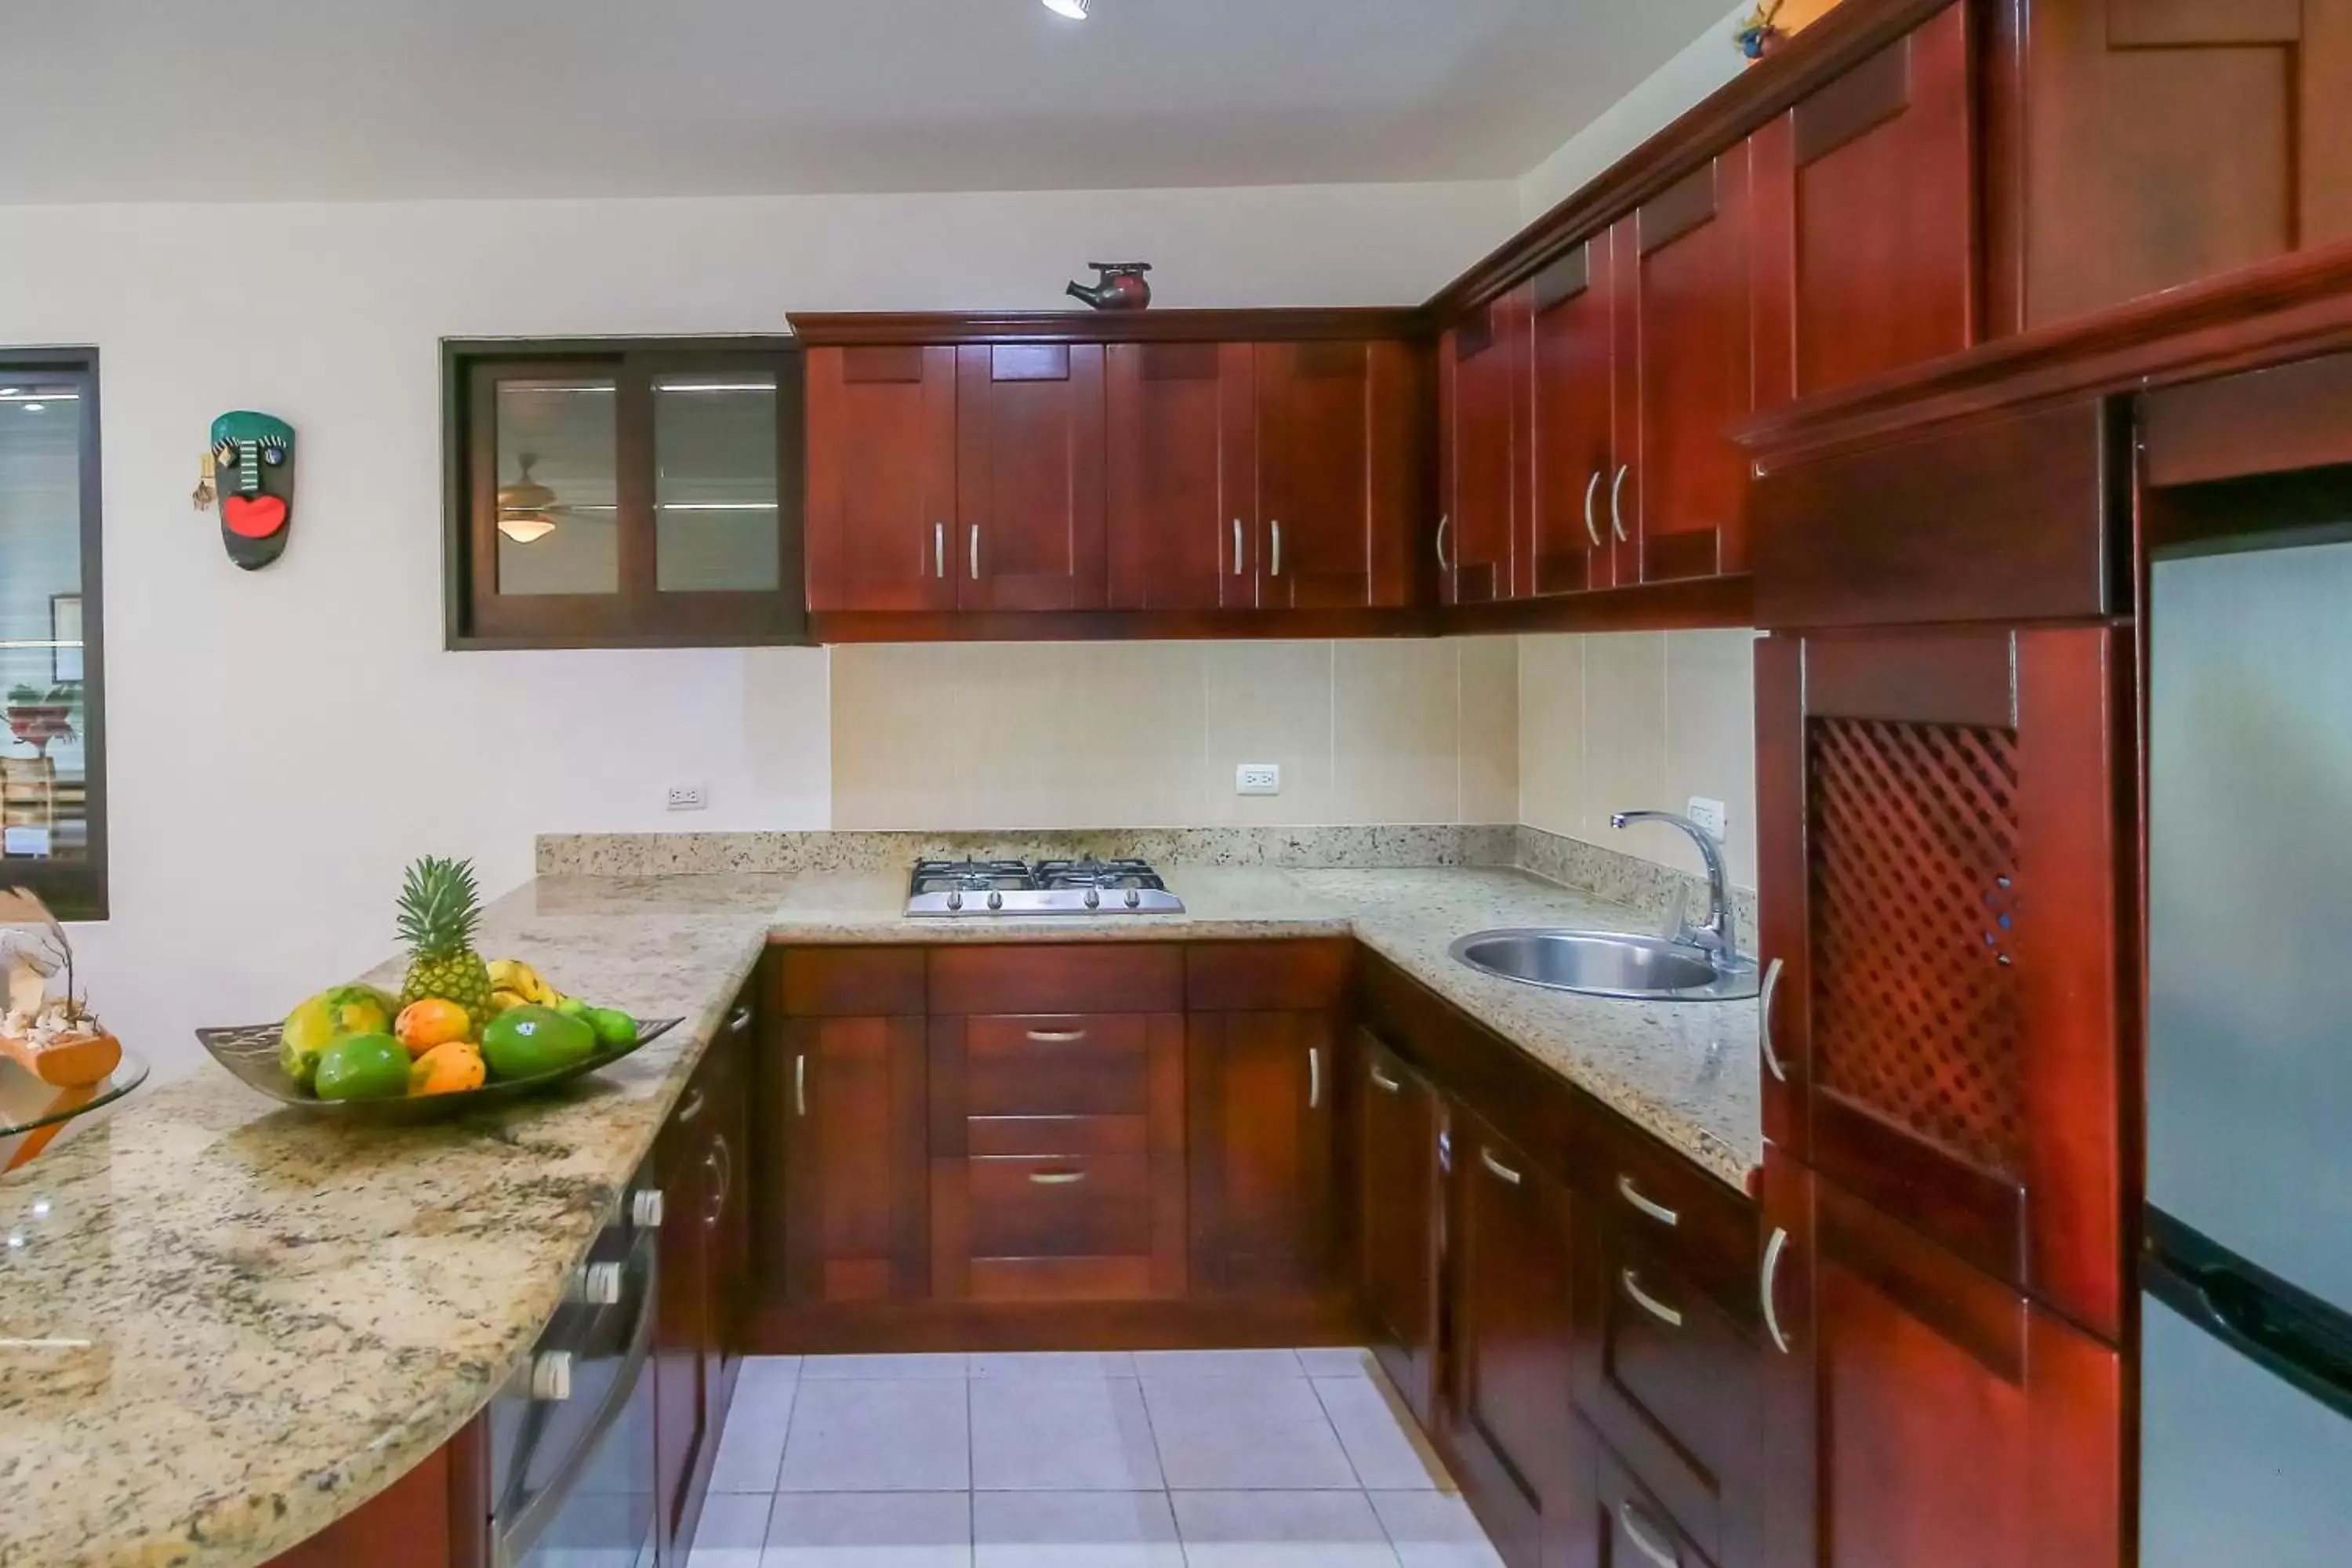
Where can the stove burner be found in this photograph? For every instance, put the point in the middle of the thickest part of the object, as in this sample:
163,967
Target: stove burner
1089,887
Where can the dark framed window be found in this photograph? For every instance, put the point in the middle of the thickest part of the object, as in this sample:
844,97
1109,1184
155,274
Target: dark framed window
613,493
52,656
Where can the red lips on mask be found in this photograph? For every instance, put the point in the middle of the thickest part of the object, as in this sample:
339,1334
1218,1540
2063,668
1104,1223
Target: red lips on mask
254,517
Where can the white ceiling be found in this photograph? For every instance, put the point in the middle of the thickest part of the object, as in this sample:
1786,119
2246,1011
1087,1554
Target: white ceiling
352,99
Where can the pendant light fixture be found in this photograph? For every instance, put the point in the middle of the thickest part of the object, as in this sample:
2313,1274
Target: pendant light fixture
1076,10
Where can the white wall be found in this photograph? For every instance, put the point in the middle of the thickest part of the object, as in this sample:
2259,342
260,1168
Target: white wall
1711,61
281,743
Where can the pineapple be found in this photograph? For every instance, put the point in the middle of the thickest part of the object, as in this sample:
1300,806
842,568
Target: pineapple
439,908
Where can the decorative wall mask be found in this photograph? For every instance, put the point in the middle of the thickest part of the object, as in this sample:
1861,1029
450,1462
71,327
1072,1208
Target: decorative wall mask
249,467
1123,286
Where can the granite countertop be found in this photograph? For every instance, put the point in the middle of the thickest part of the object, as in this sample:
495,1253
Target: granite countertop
225,1324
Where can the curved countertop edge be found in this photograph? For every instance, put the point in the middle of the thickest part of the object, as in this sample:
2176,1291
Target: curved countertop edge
249,1524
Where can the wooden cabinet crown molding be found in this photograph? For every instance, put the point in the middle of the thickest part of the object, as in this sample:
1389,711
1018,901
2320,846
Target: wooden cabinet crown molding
2293,307
1824,51
870,329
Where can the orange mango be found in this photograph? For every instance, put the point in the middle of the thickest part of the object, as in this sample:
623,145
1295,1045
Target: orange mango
430,1022
451,1068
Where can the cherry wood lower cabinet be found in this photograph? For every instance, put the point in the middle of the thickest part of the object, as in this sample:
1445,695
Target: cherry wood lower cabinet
1400,1220
1922,1413
436,1516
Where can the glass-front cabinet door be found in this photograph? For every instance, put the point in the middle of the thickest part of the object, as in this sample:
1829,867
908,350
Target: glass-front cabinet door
649,494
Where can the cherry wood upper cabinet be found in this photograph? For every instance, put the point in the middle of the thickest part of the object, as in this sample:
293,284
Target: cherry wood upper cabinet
1029,476
1183,476
2159,142
1481,368
1340,436
881,465
1677,504
1945,863
1919,1413
1572,420
1866,244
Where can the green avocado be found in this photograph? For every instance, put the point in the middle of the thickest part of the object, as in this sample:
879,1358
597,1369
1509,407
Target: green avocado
363,1066
523,1042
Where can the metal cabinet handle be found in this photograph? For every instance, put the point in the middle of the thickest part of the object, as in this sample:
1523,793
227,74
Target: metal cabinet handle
1277,547
720,1164
740,1021
1314,1076
800,1084
692,1107
1616,512
1237,547
1631,1283
1765,1292
1592,529
1386,1084
939,549
976,552
1764,1022
1442,564
1057,1178
1486,1158
1057,1036
1445,1150
1643,1542
1647,1205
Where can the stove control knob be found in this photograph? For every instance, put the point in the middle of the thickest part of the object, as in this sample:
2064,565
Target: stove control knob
551,1376
1134,899
955,901
996,901
645,1209
597,1284
1094,899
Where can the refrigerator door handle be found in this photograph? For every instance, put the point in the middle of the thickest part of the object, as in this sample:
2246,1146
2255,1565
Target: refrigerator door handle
2295,1336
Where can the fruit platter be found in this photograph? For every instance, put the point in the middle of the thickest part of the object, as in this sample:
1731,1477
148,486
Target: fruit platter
461,1035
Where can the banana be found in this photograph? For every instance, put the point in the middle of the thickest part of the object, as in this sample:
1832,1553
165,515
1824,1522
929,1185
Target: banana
514,976
500,1001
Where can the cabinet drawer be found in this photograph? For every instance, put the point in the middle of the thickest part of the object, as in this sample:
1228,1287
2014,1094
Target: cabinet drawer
1060,1205
1056,1065
1669,1379
1694,1224
1632,1530
1085,977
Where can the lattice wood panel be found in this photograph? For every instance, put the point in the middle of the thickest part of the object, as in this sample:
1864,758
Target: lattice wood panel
1916,914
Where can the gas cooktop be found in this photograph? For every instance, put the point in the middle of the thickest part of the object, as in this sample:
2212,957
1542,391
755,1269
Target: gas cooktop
954,888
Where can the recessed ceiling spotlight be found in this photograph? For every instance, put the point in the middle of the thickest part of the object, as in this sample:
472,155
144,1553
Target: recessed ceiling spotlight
1076,10
32,407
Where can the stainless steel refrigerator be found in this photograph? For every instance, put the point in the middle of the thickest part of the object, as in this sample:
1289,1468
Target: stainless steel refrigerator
2246,1383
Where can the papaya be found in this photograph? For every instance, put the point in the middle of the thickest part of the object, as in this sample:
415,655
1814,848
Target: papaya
450,1069
332,1015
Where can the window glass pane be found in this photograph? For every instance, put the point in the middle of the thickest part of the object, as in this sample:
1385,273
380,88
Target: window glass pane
44,803
558,519
715,483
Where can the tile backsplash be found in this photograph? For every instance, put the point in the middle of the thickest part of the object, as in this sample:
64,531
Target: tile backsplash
1148,735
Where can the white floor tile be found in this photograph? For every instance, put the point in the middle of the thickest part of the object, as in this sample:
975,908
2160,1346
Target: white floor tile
751,1449
1281,1530
1218,1364
836,1368
1379,1437
1075,1530
1432,1529
1044,1435
876,1435
1217,1433
870,1529
1336,1362
1060,1365
734,1528
767,1373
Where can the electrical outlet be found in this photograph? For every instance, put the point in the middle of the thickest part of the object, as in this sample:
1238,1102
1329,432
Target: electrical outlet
1709,815
688,797
1258,778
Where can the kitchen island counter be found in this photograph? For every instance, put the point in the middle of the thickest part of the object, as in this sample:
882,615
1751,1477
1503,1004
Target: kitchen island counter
225,1324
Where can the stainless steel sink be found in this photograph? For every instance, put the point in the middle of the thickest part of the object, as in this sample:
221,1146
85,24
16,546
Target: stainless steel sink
1606,963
